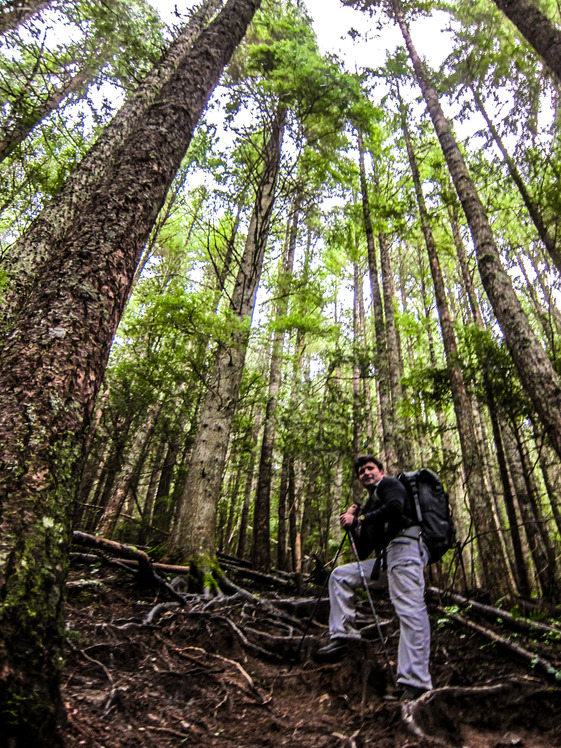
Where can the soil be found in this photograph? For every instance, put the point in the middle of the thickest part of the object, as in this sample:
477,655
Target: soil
145,671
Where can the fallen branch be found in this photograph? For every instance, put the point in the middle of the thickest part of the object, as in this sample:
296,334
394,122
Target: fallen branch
228,586
488,611
142,559
532,659
257,576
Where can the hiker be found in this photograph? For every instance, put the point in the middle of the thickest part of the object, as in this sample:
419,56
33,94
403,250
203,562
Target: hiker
383,527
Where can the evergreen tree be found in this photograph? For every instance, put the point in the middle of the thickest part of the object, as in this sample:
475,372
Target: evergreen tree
51,367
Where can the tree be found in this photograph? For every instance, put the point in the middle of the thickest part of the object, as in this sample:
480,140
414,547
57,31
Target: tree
536,28
23,262
14,12
51,365
194,534
492,567
535,370
261,553
382,363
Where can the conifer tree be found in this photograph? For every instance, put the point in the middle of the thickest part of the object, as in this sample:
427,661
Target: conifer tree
51,366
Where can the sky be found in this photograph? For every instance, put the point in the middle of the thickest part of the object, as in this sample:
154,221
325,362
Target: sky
332,22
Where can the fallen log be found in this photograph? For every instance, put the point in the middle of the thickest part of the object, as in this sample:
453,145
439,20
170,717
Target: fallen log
257,576
133,563
488,611
127,552
533,660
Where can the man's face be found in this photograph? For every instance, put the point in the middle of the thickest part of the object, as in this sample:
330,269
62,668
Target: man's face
369,475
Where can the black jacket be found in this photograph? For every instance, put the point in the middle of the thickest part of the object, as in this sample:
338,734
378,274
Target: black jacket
383,517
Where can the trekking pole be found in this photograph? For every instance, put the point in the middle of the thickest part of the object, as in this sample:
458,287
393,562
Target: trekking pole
311,618
376,621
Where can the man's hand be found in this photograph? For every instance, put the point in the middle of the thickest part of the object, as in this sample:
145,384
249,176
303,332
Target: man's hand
348,519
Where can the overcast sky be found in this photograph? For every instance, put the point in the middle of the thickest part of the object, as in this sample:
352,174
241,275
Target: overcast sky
332,22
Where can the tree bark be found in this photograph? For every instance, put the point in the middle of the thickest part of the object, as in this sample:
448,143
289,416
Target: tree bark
193,536
537,29
51,366
536,372
15,12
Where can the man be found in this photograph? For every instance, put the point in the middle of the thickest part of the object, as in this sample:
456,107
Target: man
383,527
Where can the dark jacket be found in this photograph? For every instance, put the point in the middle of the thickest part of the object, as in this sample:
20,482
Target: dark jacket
383,516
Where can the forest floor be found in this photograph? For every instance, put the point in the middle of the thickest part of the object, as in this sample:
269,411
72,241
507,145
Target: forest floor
142,670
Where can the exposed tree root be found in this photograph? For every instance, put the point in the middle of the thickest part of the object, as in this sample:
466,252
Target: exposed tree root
440,711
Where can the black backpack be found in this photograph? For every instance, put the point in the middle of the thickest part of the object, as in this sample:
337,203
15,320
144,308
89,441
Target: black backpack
429,507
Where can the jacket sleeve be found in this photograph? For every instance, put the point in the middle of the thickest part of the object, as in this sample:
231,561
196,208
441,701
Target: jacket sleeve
392,495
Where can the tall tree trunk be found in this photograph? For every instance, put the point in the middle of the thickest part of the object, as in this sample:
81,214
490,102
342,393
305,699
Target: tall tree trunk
358,404
261,552
282,557
493,567
536,28
365,393
382,367
548,237
145,529
193,536
51,367
395,364
533,531
15,12
23,265
551,471
242,547
520,566
536,372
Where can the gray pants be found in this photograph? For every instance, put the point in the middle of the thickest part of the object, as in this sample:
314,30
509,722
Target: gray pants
406,560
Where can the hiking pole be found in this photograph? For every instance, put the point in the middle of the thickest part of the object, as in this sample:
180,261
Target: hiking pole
311,618
376,621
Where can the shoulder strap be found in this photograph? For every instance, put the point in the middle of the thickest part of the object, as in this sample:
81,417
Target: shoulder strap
415,493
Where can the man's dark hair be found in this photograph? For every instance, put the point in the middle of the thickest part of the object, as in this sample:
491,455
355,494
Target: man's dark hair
363,459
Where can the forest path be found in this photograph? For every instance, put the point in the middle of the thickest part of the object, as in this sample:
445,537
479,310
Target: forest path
219,673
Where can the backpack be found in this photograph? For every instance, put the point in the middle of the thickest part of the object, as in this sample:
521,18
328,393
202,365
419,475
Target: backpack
430,507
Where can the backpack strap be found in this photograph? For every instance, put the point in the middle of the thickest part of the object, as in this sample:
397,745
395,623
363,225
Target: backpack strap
416,502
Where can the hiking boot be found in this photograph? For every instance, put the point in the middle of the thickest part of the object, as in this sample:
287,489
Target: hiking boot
332,652
405,693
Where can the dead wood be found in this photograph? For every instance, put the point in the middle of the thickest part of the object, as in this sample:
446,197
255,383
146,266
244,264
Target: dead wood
233,559
413,711
491,613
145,566
532,659
258,576
228,586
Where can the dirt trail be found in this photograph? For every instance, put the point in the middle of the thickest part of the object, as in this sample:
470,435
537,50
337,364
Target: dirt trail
218,673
